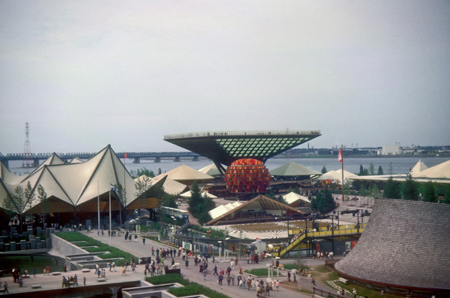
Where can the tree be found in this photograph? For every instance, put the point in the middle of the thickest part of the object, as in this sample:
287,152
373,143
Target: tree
324,201
392,189
410,190
380,170
146,172
195,201
122,196
391,169
363,191
324,170
297,190
142,185
44,203
447,195
372,169
375,191
16,202
430,192
361,170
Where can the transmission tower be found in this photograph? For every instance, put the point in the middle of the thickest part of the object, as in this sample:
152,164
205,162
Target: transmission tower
27,162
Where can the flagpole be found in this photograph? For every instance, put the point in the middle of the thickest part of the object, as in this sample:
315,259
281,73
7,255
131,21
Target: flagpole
98,208
110,214
342,176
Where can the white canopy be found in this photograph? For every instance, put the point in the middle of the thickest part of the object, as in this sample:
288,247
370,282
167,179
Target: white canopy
440,171
188,194
222,209
184,174
336,176
72,183
294,197
419,167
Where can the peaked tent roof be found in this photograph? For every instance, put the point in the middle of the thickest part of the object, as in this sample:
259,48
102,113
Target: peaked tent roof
78,183
260,201
170,186
185,173
222,209
294,197
440,171
188,194
77,160
419,167
336,175
293,169
211,170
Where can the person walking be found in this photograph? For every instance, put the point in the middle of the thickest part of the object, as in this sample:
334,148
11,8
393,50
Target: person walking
143,240
5,287
204,274
277,284
267,289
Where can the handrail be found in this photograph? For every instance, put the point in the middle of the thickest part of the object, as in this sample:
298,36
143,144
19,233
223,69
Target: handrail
186,225
303,236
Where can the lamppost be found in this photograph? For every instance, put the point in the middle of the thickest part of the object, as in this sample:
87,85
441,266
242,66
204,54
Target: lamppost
334,212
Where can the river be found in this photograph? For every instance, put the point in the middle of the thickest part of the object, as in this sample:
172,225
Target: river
400,165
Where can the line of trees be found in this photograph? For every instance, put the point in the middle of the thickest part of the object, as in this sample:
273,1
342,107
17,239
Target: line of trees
412,190
323,202
370,171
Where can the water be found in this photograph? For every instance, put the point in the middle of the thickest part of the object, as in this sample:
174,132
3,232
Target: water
400,165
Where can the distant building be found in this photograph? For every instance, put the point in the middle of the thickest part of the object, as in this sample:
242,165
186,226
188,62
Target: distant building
391,150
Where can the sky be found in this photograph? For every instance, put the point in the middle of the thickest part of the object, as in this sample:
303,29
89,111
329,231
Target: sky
85,74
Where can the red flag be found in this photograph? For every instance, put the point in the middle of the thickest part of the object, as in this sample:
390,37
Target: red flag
125,155
340,157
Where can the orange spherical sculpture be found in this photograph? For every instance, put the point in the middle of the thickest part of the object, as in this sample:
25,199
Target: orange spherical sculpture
247,176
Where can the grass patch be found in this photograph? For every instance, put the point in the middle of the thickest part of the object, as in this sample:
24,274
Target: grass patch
294,266
190,288
323,269
260,272
113,252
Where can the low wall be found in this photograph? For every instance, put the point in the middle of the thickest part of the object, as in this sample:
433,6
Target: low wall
64,247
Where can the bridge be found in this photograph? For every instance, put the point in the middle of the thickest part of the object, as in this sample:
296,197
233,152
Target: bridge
136,156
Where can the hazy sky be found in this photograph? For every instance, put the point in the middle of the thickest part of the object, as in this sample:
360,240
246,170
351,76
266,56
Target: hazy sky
85,74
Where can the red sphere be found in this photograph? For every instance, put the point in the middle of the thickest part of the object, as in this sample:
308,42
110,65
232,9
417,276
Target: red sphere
247,176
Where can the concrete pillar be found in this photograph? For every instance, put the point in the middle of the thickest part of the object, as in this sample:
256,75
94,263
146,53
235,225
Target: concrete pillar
195,158
157,160
137,160
35,162
177,159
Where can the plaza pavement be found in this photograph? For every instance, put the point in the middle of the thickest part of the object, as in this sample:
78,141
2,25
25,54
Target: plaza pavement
192,273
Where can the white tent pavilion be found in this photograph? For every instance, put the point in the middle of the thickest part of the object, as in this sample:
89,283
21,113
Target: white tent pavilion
188,194
293,197
336,176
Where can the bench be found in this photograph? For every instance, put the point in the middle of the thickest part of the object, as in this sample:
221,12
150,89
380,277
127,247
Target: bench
101,279
168,271
56,273
343,280
36,286
85,270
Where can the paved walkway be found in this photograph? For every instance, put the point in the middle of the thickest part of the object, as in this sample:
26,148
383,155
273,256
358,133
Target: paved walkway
192,272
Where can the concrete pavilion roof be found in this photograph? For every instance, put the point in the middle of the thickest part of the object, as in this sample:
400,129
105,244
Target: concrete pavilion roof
224,147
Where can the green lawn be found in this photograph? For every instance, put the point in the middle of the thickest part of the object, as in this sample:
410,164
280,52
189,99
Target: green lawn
190,288
113,252
260,272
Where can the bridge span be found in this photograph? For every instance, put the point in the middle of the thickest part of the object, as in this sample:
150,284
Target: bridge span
136,156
